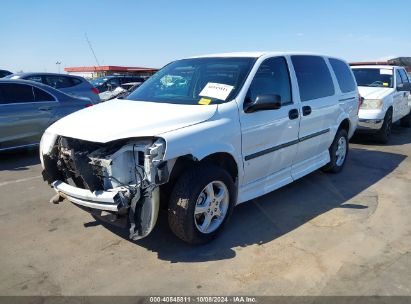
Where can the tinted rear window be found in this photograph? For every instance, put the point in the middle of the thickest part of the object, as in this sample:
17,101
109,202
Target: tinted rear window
344,76
314,78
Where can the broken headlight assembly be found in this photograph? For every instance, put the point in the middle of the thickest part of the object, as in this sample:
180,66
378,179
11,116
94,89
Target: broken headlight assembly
130,169
46,145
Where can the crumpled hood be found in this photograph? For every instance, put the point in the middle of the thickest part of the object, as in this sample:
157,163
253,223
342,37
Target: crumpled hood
374,92
119,118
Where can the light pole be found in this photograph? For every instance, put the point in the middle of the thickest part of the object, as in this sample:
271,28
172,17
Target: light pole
58,63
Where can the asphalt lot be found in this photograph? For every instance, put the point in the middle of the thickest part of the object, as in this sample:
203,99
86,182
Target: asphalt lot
345,234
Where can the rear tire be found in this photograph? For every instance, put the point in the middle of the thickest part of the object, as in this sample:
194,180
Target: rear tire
406,121
193,202
384,134
338,152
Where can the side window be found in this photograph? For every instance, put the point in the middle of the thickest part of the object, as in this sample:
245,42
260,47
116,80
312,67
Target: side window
16,93
404,76
273,78
50,80
40,95
399,80
314,78
2,99
58,82
344,76
36,78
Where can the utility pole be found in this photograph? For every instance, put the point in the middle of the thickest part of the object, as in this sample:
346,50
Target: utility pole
91,48
58,63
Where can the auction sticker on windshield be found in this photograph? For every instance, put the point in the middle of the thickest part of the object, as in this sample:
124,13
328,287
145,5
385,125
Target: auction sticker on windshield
216,90
385,72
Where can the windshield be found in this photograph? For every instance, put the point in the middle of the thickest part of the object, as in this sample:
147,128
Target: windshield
374,77
196,81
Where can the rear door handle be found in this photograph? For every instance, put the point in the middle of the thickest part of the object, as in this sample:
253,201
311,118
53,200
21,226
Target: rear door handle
306,110
293,114
44,109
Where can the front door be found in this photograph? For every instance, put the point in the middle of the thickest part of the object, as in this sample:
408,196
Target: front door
269,137
401,98
23,118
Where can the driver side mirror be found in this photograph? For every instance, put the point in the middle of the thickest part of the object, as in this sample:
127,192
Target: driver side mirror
406,87
263,102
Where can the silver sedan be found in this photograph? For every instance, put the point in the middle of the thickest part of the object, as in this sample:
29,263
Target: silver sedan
27,108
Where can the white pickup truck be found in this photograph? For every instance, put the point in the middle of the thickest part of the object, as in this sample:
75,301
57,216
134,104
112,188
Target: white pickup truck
386,92
232,128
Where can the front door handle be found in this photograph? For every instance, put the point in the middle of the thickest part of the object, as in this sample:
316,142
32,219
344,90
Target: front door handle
293,114
306,110
44,109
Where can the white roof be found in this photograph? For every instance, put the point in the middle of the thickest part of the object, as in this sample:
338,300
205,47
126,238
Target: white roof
254,54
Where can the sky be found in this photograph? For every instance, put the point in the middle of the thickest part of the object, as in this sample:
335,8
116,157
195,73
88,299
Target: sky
34,35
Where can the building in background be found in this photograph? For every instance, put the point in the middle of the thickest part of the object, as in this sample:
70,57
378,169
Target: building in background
400,61
101,71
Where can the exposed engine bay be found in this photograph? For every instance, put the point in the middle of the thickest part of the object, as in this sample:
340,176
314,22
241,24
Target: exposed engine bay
130,170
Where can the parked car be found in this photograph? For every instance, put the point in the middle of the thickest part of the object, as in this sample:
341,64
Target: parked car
4,73
386,92
110,83
27,108
234,127
123,91
71,85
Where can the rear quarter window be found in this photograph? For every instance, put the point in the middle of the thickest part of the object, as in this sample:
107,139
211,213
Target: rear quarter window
313,76
41,95
344,76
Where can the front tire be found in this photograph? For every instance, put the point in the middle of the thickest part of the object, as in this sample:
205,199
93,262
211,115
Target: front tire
406,121
201,203
338,152
384,134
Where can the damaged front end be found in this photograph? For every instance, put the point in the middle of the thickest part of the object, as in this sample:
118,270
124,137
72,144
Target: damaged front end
117,181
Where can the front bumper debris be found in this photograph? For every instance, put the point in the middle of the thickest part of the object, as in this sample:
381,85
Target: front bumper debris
114,201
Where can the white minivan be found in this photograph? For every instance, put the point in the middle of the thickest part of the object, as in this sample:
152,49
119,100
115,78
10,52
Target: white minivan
386,92
201,136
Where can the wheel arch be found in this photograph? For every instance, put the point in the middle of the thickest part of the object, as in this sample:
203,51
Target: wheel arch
222,159
184,162
346,125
